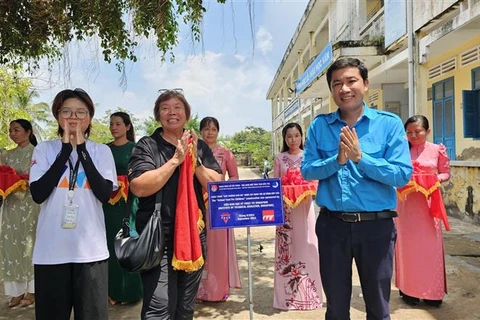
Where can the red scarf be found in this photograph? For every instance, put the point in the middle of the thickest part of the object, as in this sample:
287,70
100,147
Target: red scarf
187,249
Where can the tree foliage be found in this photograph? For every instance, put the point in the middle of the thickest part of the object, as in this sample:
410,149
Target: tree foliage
32,30
150,125
16,94
256,142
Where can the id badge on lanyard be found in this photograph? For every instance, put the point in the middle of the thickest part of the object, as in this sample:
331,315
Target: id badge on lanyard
70,209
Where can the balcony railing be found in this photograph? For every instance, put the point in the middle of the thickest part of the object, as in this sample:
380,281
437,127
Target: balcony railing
375,26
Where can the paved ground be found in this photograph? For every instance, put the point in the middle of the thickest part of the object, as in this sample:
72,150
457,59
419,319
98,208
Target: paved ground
462,246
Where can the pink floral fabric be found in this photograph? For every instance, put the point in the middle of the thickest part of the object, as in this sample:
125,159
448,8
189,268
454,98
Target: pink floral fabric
297,284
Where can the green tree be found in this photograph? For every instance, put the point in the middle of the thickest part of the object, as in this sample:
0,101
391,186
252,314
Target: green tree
150,124
15,102
33,30
255,142
193,123
100,132
108,113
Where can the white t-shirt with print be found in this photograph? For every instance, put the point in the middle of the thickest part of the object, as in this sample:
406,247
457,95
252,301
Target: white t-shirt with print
87,242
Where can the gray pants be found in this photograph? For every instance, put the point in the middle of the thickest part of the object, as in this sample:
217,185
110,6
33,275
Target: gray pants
81,286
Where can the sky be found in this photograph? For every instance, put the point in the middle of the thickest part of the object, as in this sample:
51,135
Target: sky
226,75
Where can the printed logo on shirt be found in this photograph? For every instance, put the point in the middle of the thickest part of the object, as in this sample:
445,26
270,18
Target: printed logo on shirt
81,183
268,215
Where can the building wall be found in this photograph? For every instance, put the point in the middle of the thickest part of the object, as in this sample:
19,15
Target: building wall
426,11
461,193
393,93
466,148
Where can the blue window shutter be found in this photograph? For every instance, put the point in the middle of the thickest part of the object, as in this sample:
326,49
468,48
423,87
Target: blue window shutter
469,106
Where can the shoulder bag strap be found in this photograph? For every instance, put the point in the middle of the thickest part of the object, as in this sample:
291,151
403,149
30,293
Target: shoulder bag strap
158,198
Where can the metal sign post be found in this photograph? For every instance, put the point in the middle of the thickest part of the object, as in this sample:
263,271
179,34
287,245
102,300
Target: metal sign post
250,278
246,203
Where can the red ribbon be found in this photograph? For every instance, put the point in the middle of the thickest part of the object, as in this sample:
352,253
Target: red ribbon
10,181
121,192
429,186
294,194
187,249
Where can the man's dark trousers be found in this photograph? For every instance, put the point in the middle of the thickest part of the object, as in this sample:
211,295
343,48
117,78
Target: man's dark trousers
371,244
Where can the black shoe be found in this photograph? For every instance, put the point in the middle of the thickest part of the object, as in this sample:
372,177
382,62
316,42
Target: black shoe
433,303
411,301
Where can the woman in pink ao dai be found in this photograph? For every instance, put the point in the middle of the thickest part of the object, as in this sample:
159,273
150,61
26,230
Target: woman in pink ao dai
221,249
419,251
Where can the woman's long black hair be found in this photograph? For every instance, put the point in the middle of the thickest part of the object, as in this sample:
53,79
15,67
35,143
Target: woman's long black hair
415,118
26,125
284,134
127,121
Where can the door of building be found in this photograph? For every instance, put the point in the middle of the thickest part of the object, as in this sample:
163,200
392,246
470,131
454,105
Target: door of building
444,115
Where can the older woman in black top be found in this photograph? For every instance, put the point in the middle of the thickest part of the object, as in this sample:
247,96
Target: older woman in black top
169,293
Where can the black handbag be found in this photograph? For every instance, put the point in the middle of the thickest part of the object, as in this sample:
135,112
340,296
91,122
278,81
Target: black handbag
145,251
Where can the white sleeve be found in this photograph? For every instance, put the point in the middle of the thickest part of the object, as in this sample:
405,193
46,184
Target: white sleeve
40,163
105,164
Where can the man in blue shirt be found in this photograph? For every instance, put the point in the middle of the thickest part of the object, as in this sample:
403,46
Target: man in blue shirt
360,155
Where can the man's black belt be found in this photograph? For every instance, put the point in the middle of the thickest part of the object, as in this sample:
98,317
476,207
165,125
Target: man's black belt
359,216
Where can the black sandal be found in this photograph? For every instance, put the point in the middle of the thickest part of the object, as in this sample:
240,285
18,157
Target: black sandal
411,301
433,303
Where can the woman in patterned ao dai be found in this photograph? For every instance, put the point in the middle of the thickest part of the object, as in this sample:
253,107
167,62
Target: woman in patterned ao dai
419,251
19,221
297,284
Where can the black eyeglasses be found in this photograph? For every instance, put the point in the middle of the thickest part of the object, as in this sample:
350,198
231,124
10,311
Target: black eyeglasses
67,113
175,90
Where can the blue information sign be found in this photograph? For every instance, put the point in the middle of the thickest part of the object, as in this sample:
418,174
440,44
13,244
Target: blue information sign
321,62
245,203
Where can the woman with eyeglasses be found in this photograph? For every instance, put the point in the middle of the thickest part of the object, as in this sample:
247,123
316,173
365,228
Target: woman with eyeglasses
123,286
221,268
419,250
19,220
71,178
180,172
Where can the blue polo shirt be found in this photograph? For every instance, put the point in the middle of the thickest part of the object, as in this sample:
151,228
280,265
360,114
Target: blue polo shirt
370,184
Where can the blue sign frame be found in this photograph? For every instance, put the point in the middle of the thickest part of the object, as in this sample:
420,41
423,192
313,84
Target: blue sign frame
245,203
321,62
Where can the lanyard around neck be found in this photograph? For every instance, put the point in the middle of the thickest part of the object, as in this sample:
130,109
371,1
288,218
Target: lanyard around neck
73,174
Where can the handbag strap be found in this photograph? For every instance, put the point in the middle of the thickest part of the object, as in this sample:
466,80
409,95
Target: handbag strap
158,197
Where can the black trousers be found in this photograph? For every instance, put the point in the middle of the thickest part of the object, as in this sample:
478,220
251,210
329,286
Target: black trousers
83,286
371,244
169,294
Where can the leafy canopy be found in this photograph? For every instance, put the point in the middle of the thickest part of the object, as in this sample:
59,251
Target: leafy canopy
16,94
256,142
34,29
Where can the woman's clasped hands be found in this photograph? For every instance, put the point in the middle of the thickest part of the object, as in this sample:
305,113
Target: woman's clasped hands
75,137
183,145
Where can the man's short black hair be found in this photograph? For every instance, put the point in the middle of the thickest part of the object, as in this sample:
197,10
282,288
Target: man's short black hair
346,63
